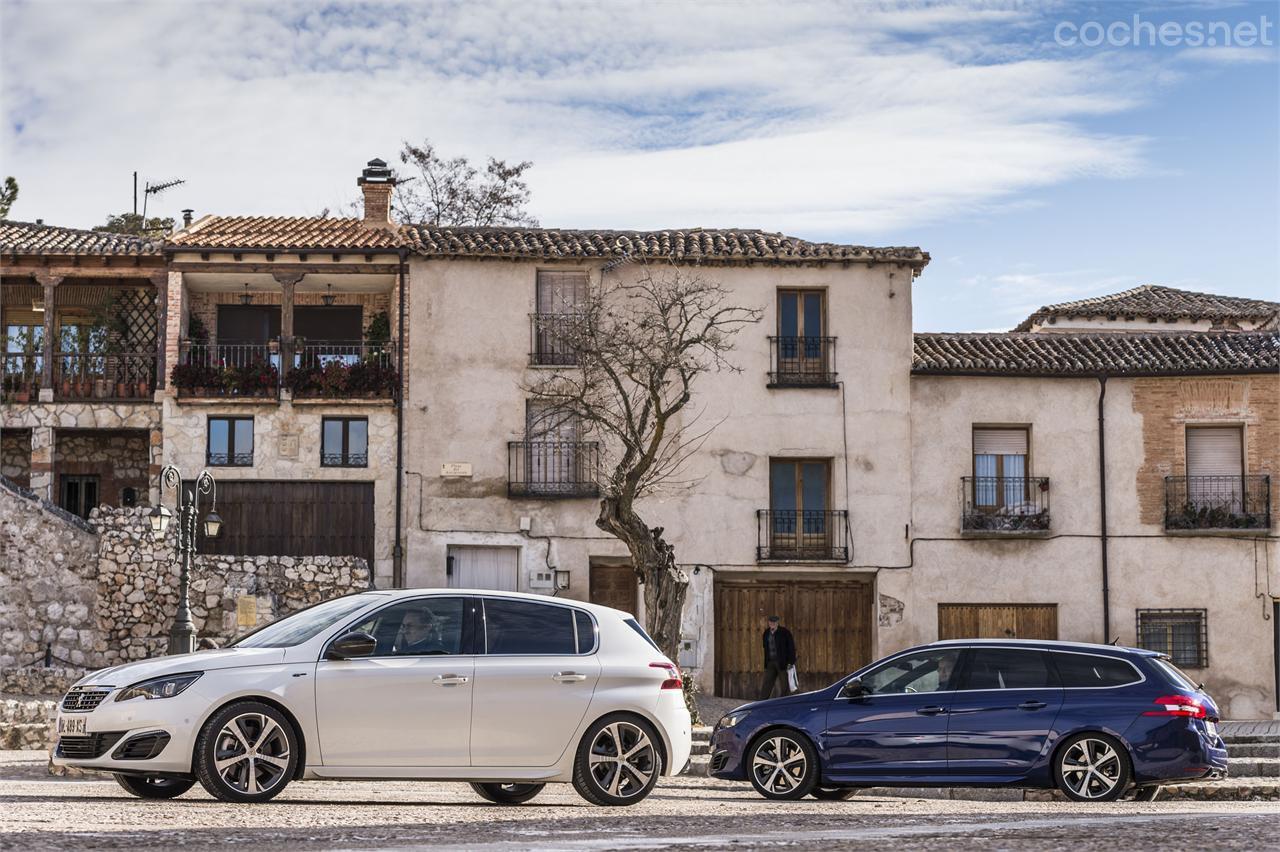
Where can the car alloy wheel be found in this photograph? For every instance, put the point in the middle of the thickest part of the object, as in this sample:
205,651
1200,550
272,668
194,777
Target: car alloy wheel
783,766
507,794
1092,768
246,753
618,761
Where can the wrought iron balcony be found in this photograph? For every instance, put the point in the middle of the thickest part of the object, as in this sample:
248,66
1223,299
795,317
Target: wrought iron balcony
1010,505
227,370
23,374
805,534
798,362
552,469
342,369
548,343
1217,502
108,375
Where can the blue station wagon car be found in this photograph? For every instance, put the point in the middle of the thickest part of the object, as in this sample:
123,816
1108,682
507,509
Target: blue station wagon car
1091,720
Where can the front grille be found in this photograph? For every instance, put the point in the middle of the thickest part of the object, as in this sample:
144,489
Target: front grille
142,747
88,746
82,700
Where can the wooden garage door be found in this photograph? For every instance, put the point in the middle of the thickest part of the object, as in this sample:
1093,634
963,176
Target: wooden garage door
997,621
278,518
615,586
830,620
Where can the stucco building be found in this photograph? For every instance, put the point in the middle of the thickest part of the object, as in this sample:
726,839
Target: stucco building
356,385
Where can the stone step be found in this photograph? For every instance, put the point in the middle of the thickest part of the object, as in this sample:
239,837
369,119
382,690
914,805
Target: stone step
1253,767
1250,739
1236,750
701,747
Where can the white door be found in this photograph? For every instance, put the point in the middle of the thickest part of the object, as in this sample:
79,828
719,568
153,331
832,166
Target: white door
496,568
532,686
409,704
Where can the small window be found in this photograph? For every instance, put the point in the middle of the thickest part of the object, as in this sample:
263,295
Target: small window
927,671
1009,668
1180,633
344,442
586,632
1080,671
424,627
519,627
79,494
230,441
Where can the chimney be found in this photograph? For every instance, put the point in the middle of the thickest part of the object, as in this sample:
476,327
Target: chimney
376,182
186,217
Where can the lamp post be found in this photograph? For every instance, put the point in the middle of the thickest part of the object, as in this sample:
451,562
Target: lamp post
182,636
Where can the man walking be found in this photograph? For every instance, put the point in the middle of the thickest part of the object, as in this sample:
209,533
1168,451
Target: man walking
779,653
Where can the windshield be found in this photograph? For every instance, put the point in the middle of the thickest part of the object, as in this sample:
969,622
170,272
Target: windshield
1177,675
304,624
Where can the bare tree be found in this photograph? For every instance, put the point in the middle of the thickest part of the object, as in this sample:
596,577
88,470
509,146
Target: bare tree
641,343
454,192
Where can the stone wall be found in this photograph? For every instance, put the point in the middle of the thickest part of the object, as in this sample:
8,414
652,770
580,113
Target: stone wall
15,456
105,592
120,459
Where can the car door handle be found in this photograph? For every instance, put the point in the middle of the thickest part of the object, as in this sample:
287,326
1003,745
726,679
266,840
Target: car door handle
1032,705
932,710
568,677
449,680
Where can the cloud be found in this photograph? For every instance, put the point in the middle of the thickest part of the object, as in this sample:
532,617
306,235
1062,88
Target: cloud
823,117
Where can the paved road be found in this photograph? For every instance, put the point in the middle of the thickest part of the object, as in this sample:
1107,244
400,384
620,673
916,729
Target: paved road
684,813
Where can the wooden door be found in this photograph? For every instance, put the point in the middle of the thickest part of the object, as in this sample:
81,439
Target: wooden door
997,621
274,518
615,586
830,620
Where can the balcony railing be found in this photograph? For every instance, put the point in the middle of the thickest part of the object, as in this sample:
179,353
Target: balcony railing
342,369
806,534
250,370
1217,502
549,339
1005,504
552,469
22,377
802,362
116,375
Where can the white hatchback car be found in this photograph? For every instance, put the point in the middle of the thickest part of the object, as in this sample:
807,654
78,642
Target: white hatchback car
503,690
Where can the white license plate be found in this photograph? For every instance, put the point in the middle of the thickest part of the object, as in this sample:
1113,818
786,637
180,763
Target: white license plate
71,725
1212,728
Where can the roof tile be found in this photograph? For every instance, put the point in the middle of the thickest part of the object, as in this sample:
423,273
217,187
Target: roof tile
39,238
1152,301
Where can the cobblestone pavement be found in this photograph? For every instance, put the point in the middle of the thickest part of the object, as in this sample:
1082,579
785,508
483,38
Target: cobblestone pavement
683,813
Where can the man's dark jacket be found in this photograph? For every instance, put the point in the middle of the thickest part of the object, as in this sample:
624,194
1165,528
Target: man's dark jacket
786,646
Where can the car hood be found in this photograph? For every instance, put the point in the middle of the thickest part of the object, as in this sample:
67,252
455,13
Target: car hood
200,661
794,698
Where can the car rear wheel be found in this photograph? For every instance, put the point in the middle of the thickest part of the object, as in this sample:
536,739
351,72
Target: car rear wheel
1092,768
507,794
783,765
618,761
832,794
246,752
152,787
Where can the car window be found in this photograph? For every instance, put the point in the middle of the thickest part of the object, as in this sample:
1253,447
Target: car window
1008,668
1085,670
586,632
635,625
522,627
416,628
1176,675
927,671
305,624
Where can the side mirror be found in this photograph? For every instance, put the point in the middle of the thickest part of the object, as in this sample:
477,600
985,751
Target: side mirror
854,688
351,645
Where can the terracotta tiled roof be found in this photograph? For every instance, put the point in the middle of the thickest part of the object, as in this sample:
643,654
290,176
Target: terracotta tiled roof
1152,301
1083,354
38,238
724,245
284,233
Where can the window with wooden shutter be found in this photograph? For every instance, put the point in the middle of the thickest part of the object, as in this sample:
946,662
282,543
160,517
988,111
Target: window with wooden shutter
560,295
999,467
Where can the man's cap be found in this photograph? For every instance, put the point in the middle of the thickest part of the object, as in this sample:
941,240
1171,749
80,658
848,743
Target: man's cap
774,618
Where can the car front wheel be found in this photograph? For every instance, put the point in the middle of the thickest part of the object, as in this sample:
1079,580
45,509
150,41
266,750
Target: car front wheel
246,752
507,794
783,765
618,761
1092,768
151,787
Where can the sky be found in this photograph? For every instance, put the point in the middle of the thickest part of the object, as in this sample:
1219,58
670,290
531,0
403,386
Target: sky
1041,152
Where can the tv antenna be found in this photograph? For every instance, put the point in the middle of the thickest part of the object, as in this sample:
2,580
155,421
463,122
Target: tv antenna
149,189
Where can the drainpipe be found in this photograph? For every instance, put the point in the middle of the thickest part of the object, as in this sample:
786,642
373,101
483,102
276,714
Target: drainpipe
1102,506
397,553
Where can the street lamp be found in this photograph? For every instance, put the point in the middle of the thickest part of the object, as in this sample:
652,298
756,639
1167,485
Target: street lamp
182,636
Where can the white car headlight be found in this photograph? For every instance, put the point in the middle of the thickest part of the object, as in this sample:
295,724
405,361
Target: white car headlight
731,719
159,687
